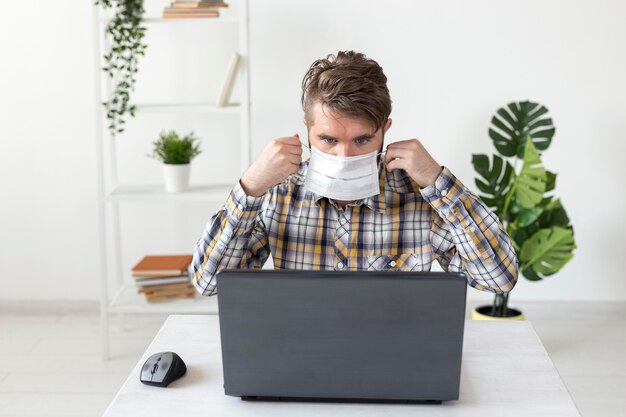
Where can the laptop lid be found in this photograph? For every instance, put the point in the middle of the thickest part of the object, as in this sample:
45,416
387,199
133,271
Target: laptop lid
342,335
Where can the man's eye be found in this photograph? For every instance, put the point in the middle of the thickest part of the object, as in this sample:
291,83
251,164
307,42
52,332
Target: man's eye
328,141
362,141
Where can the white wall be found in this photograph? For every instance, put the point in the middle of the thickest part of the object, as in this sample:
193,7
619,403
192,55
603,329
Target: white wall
450,66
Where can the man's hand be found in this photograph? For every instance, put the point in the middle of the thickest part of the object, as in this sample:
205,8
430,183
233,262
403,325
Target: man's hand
280,158
411,156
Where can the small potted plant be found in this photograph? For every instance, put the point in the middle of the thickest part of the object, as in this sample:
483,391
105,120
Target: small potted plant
176,154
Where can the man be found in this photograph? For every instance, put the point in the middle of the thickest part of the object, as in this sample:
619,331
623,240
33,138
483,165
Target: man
349,208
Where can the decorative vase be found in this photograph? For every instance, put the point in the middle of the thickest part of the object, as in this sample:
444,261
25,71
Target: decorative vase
176,177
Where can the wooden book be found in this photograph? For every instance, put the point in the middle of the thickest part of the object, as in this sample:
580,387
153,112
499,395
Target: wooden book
204,10
148,282
162,266
196,1
160,298
177,15
196,4
166,289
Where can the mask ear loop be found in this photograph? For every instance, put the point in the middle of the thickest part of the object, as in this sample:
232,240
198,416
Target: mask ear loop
309,149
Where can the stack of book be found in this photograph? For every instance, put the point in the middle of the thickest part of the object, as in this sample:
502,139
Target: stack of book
186,9
164,277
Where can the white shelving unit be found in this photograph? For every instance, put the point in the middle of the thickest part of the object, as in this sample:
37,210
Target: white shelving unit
125,299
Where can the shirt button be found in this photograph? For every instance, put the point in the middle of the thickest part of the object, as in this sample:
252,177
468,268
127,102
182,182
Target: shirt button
392,264
340,265
240,206
467,222
444,192
472,228
220,245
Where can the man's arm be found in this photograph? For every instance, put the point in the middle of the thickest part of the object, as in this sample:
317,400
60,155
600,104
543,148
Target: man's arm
234,238
467,236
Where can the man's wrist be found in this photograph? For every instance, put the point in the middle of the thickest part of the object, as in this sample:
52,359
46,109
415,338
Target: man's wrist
432,176
250,191
241,201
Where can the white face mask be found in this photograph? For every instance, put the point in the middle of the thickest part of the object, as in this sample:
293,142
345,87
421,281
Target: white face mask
342,178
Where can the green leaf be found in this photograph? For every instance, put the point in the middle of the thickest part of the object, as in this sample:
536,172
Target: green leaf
170,148
550,180
528,216
530,184
504,145
554,215
496,180
513,123
531,274
547,251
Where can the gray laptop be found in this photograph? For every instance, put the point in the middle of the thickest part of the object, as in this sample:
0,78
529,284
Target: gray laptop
342,336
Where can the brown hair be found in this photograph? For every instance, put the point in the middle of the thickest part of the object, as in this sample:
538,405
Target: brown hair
350,84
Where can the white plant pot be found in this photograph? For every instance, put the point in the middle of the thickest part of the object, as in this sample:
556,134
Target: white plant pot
176,177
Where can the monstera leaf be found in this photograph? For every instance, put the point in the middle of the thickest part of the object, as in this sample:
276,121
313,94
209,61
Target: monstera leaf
528,216
496,180
550,181
530,184
513,123
553,215
546,252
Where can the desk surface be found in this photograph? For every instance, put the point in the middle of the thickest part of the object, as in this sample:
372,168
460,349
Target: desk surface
505,371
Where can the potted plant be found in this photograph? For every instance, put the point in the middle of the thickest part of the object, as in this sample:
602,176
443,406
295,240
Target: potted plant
176,154
522,197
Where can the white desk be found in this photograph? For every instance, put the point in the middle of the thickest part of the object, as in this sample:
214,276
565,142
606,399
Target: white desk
506,371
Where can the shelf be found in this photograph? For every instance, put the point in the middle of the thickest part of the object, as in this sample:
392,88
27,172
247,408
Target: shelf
127,300
187,108
124,298
105,20
158,193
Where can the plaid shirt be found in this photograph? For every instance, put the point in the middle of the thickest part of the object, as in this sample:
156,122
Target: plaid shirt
404,228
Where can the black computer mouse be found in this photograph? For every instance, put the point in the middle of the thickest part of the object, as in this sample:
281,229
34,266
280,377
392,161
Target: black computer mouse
162,368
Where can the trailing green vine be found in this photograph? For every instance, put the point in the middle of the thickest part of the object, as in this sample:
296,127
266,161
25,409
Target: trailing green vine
127,33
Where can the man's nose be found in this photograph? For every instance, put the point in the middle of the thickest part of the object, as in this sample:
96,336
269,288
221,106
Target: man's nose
344,151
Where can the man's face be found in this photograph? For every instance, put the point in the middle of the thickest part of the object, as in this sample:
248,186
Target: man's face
336,134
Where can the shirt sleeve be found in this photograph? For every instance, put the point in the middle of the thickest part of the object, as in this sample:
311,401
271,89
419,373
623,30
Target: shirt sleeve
234,238
468,237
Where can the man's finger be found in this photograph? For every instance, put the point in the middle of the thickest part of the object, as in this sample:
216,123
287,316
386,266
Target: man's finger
294,150
395,164
392,154
406,144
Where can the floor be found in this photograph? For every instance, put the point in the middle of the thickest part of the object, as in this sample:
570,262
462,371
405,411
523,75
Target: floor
50,363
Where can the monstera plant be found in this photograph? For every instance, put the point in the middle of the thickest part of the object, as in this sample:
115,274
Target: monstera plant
520,191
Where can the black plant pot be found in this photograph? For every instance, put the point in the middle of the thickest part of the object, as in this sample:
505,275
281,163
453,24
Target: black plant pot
484,313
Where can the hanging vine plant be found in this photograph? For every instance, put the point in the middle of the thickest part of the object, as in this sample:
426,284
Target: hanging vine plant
127,33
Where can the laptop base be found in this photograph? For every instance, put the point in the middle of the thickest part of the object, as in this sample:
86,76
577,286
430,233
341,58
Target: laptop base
336,400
